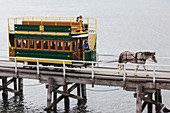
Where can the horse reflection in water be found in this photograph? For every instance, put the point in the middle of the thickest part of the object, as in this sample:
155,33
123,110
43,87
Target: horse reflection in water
138,58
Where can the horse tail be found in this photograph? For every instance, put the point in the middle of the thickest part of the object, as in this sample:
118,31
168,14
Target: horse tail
120,58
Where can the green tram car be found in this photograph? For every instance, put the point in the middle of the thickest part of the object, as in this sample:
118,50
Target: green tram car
47,38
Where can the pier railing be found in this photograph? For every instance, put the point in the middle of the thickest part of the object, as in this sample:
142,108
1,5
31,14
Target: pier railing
153,66
13,62
92,67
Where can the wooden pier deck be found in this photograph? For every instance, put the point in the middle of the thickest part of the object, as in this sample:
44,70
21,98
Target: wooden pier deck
144,85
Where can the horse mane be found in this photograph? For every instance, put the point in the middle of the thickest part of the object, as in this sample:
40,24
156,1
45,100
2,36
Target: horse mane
149,53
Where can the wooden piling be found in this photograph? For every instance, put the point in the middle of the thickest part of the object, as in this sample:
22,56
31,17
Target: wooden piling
66,98
49,93
15,85
20,85
54,104
83,90
150,96
139,98
78,94
4,91
158,99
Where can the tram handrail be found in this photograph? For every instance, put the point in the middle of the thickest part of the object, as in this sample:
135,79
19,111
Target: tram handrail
64,65
92,22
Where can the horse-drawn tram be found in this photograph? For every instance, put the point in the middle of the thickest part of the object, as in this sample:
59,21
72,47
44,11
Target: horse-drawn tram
52,38
63,39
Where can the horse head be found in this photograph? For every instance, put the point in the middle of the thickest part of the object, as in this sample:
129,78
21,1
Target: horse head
153,57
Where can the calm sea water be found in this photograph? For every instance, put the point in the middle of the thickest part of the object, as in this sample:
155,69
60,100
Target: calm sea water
134,25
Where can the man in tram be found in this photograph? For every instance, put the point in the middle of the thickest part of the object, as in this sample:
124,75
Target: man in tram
86,45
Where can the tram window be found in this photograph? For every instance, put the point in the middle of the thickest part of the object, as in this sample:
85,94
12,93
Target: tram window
38,44
59,45
18,43
52,45
45,44
67,46
74,47
32,44
25,43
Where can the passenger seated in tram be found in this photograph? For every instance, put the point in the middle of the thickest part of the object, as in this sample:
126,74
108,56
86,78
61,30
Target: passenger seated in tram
80,19
86,45
77,19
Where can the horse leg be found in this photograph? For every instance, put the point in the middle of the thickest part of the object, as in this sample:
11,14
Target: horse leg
119,66
137,66
145,70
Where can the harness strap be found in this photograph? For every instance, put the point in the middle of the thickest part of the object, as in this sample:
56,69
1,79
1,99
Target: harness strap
136,57
141,57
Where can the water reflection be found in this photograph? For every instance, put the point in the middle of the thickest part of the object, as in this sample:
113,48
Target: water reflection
17,104
14,104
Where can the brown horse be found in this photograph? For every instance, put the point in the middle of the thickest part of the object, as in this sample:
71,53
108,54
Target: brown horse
138,58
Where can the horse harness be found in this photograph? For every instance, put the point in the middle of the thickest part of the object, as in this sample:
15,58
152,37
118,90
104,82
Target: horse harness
138,56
